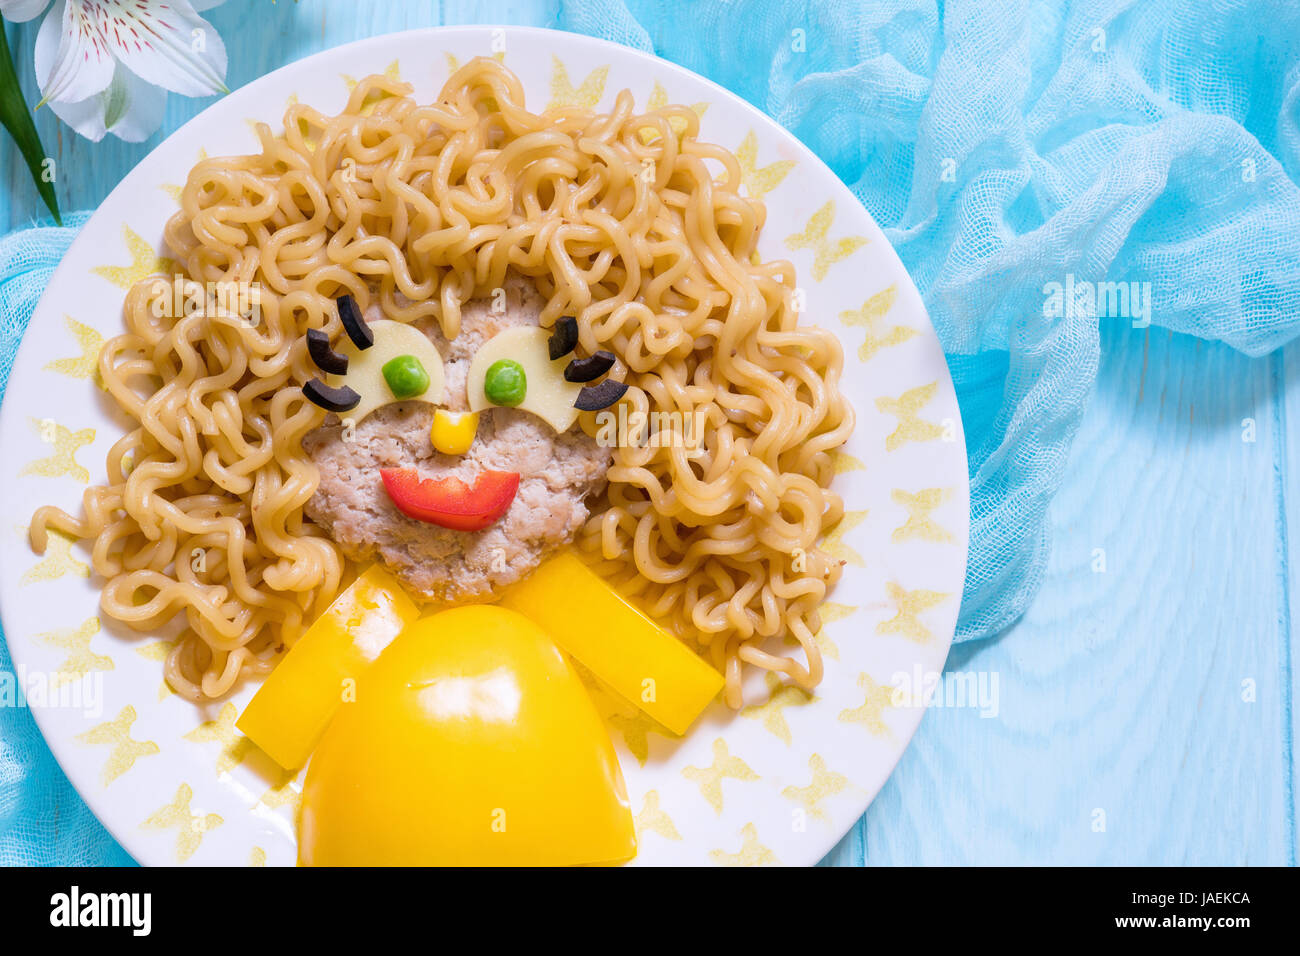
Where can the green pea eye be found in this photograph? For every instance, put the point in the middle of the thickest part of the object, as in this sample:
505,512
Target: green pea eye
405,376
505,383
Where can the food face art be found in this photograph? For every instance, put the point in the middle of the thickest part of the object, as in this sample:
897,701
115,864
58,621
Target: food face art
505,368
449,468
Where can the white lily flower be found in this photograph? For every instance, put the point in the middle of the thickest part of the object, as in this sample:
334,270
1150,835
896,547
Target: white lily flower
105,66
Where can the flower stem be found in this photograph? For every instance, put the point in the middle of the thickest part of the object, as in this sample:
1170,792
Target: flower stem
18,121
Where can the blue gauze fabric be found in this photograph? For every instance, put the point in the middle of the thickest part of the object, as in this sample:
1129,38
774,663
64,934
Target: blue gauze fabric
1007,144
1003,145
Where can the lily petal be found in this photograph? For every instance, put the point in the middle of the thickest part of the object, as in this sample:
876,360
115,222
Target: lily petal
81,64
85,117
20,11
137,112
168,45
130,109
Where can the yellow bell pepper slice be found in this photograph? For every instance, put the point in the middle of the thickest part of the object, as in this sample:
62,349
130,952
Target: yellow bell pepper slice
613,639
292,708
472,742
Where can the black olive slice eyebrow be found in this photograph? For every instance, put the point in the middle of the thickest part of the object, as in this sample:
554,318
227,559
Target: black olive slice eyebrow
354,325
564,339
595,397
331,399
326,359
590,368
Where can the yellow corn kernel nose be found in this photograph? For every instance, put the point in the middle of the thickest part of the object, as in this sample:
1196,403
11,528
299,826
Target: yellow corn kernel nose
453,432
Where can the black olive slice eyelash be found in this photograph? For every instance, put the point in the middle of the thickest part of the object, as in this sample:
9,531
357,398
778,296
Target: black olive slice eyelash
565,337
331,399
354,324
595,397
590,368
326,359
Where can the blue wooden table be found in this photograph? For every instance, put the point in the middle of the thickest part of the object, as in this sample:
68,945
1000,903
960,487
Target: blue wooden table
1145,702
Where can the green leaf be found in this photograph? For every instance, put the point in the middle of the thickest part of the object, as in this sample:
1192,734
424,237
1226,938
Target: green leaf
17,119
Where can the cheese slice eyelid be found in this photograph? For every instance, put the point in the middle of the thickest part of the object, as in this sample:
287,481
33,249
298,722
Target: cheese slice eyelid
365,374
547,394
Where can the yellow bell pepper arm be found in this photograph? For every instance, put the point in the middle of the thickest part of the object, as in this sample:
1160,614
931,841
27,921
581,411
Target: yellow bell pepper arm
618,643
292,708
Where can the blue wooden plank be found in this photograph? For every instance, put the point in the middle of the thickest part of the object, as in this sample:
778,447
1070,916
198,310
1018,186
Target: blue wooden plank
1287,442
1124,690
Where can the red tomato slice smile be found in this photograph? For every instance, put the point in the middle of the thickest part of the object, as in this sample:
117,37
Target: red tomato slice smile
449,502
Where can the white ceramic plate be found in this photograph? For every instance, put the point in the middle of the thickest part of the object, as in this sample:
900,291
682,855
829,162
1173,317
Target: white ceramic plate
781,781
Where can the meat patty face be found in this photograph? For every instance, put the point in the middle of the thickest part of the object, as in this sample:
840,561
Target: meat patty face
558,474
